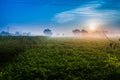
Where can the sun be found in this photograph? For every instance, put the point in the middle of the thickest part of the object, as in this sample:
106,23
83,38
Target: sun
92,26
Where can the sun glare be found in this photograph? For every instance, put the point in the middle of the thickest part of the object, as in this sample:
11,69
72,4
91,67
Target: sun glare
92,26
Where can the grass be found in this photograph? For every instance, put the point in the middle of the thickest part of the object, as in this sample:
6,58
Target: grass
41,58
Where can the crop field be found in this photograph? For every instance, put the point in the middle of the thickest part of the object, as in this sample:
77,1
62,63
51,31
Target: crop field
45,58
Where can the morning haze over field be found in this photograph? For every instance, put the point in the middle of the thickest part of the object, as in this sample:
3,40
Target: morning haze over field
61,16
59,39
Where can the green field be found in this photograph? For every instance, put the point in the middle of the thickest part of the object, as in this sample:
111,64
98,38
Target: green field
44,58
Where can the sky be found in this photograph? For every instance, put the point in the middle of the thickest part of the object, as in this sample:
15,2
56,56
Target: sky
61,16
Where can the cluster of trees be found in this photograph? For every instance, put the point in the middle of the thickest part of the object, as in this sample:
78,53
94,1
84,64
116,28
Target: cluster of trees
78,31
49,32
22,34
4,33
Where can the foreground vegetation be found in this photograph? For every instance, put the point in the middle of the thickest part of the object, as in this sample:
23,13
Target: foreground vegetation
41,58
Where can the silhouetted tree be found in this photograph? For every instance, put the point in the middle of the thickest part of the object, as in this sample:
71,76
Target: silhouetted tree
47,32
3,33
84,31
76,31
17,34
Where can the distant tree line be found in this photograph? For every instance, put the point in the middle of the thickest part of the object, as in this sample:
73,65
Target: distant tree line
5,33
49,32
46,32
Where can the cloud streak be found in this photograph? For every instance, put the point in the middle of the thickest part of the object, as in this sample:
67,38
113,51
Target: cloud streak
87,11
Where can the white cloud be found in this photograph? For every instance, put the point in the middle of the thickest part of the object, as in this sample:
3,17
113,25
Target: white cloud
89,10
64,17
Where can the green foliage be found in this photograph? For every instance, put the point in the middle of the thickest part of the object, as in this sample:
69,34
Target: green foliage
62,59
10,47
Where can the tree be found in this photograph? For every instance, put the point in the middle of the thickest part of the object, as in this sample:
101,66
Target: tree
17,34
3,33
83,31
76,31
47,32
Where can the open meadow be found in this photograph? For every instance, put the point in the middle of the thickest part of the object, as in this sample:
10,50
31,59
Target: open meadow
45,58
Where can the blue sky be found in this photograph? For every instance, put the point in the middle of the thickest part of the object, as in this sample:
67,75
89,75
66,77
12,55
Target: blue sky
59,15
